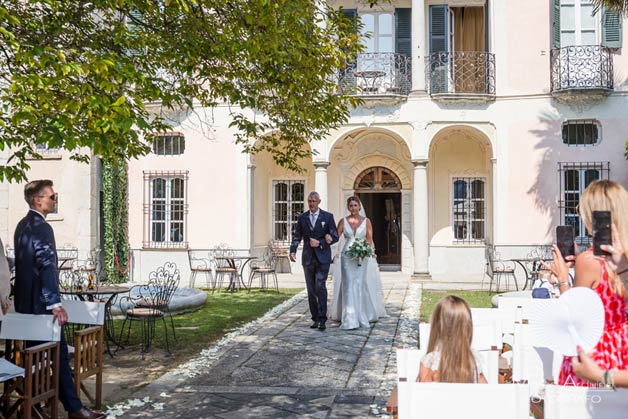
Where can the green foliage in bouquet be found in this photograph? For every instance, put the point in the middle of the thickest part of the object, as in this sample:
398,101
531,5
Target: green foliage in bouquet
359,250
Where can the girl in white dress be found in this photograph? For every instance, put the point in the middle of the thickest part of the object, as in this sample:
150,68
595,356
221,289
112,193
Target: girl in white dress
449,357
358,297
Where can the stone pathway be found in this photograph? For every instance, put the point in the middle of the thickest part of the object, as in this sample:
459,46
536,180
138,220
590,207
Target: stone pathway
282,368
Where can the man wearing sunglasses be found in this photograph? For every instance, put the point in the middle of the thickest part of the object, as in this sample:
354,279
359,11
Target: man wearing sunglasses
36,282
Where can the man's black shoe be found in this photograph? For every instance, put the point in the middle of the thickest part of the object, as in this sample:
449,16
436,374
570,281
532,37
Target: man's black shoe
321,326
314,325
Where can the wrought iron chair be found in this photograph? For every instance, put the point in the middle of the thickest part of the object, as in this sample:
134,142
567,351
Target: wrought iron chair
263,268
150,303
222,267
201,265
497,268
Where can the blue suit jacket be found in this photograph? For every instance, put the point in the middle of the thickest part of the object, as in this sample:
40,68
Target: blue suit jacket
303,231
36,279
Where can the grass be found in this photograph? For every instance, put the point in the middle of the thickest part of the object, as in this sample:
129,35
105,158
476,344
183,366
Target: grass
222,313
477,299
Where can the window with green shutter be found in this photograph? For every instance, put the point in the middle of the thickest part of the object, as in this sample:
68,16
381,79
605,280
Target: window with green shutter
611,29
403,31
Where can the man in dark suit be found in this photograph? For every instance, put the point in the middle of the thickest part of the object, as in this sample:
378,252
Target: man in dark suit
318,231
36,282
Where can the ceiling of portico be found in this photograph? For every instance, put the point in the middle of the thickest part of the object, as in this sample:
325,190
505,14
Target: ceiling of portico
449,135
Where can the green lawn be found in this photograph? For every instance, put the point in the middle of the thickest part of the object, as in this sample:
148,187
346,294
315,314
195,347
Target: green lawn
222,313
474,298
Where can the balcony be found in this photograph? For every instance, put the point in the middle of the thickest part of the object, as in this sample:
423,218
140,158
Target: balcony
467,76
378,75
581,74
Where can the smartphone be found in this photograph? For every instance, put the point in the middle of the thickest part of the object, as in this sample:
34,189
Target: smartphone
565,240
601,231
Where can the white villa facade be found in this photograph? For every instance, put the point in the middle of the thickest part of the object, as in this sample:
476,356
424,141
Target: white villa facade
482,122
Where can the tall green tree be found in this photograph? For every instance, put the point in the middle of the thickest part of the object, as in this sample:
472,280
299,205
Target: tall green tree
79,74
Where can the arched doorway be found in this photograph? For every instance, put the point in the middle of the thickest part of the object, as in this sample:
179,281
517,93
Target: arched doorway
379,189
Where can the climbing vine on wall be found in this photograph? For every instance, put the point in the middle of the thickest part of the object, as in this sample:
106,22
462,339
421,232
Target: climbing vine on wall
115,215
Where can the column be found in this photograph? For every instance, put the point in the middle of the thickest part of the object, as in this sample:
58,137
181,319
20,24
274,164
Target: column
419,47
320,181
494,205
250,186
420,232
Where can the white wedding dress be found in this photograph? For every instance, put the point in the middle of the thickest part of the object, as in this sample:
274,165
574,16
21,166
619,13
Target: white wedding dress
358,298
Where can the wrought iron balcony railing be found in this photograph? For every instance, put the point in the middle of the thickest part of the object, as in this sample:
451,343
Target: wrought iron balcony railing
581,67
463,73
377,73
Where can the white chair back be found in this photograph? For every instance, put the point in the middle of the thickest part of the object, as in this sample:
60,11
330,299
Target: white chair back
39,327
85,312
424,335
408,361
491,361
532,361
449,400
568,402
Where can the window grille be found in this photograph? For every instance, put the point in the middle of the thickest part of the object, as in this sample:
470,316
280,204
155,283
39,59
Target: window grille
581,133
469,209
288,204
170,144
574,178
166,211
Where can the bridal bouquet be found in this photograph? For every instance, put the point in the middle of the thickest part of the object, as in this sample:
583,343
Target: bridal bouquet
359,250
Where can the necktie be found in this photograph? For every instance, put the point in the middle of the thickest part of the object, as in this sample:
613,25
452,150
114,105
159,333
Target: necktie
312,219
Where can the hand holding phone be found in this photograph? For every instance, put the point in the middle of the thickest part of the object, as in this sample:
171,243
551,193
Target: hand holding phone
565,241
601,231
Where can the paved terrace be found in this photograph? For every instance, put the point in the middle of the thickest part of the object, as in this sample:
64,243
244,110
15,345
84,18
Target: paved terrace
281,368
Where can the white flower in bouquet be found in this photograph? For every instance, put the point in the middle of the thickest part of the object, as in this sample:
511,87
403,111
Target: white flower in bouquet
359,250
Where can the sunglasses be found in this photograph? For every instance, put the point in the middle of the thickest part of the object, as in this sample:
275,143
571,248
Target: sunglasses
52,197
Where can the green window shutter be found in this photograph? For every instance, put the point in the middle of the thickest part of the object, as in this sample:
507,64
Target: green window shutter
438,28
611,28
403,31
555,22
439,36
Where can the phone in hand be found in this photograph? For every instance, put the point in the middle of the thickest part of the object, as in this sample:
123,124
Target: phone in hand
601,231
565,240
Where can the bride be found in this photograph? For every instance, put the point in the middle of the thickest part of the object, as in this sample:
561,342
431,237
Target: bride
358,297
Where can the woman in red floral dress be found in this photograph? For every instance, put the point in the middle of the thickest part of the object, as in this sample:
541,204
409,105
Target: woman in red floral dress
611,352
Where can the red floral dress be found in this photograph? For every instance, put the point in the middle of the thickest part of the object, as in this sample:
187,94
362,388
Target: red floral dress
612,349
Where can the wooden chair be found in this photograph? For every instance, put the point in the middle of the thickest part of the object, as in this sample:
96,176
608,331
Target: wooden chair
88,346
40,383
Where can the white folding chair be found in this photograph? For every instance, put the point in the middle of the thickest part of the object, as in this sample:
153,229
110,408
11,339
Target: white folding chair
532,362
451,400
408,361
40,363
424,335
88,345
568,402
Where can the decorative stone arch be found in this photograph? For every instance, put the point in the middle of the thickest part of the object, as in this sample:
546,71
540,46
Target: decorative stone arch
355,134
469,132
374,160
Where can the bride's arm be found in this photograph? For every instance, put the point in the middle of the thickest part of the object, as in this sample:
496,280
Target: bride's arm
369,234
340,227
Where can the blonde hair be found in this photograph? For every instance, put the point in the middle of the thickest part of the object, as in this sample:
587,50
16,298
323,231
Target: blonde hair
606,195
451,334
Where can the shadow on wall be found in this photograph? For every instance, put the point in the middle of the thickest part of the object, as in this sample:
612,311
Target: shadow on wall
546,187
